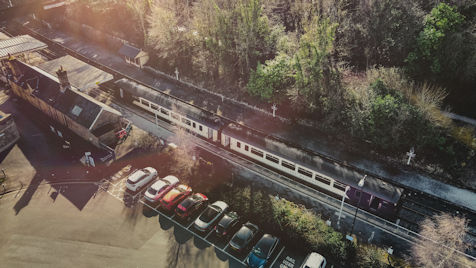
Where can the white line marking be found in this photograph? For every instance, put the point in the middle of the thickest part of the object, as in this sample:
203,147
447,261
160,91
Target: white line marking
190,225
209,234
277,257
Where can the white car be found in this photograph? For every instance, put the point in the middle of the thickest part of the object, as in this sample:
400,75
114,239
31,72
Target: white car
160,188
210,216
140,178
314,260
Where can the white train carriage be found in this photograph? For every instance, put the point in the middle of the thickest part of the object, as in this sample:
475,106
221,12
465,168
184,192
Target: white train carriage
318,173
161,105
281,163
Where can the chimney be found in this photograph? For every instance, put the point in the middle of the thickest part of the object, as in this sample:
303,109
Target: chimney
63,79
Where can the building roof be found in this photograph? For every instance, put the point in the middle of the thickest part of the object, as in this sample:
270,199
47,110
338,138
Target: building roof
18,45
78,106
129,51
80,74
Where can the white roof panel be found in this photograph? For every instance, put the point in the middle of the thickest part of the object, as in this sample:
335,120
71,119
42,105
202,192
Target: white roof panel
19,44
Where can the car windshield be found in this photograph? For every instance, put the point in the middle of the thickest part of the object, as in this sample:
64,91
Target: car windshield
152,191
210,213
187,202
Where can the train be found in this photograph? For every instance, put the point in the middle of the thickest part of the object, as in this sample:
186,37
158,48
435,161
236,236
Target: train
341,181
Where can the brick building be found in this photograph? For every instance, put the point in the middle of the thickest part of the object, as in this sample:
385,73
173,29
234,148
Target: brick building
86,117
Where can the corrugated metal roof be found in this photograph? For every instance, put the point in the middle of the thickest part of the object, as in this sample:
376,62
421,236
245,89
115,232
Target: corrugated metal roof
18,45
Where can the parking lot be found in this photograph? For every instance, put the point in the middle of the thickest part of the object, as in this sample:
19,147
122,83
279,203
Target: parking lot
282,257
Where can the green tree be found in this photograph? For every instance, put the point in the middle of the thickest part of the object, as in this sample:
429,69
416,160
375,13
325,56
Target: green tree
381,32
316,77
269,81
441,23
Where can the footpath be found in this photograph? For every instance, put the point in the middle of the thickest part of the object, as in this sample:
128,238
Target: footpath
304,136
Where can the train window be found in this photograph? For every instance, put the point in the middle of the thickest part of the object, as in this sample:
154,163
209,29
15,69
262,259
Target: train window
257,152
175,116
164,111
238,144
305,172
200,128
246,147
272,158
339,186
186,121
288,165
357,194
323,180
153,106
193,125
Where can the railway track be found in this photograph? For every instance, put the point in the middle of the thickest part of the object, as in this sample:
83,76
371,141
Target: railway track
413,210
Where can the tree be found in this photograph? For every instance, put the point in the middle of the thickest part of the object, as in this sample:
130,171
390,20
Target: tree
426,59
185,156
381,32
140,9
271,79
446,233
170,35
316,77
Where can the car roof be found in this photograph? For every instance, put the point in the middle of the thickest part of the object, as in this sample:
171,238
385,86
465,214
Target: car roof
221,205
171,179
226,220
172,194
266,242
314,259
158,184
136,175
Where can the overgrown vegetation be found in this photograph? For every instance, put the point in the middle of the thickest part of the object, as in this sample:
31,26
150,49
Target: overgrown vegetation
376,71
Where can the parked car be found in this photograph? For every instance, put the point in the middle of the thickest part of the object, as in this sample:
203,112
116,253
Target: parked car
262,251
210,216
190,206
140,178
175,196
242,239
314,260
227,225
160,188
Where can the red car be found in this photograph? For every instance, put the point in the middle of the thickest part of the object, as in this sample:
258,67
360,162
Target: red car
190,206
175,196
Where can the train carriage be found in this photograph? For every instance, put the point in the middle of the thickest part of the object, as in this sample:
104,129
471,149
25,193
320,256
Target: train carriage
170,109
376,196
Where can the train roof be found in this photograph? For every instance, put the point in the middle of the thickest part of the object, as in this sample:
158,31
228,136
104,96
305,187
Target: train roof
341,173
190,111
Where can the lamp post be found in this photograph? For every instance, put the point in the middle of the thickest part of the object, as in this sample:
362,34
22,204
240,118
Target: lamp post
360,184
342,205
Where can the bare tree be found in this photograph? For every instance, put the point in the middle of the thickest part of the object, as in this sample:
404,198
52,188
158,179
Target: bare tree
184,157
446,233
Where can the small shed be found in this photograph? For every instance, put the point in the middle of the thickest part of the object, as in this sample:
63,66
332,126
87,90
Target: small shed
134,55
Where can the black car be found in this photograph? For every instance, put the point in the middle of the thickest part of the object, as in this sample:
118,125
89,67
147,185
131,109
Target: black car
241,240
227,225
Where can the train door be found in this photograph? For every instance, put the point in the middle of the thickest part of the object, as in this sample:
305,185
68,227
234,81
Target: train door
374,203
225,140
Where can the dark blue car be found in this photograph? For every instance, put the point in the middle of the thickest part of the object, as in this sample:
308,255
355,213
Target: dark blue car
262,251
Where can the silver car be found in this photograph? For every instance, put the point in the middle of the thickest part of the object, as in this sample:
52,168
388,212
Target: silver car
140,178
210,216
